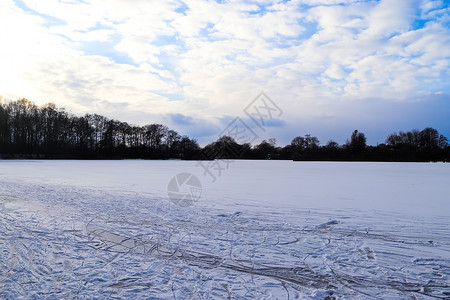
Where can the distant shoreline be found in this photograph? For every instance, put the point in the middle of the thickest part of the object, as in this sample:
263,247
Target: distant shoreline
28,131
203,159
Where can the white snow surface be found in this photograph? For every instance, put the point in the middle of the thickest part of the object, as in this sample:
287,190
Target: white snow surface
262,229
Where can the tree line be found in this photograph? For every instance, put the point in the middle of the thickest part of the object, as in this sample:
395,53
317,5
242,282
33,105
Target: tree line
425,145
30,131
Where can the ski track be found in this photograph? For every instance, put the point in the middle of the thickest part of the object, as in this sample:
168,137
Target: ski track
61,242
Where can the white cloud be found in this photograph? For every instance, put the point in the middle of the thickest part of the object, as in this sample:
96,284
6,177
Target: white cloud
390,17
335,72
25,42
100,35
99,85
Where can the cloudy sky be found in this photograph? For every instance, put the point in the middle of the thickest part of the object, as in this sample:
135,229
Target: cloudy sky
331,66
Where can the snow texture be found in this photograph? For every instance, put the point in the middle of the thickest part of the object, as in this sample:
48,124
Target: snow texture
264,230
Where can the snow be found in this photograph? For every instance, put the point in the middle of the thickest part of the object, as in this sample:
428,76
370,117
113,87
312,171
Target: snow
262,229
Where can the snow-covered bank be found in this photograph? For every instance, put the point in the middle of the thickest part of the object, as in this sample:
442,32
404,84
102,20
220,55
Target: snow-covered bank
263,229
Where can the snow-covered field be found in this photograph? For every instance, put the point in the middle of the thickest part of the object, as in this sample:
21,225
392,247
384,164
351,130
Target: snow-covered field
263,229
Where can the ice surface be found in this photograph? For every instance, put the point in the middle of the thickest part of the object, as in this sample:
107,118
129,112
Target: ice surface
263,229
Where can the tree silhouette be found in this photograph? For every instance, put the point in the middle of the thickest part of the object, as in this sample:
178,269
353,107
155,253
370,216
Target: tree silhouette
429,139
357,143
443,142
27,130
30,131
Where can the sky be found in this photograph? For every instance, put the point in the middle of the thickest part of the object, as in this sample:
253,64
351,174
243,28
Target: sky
329,67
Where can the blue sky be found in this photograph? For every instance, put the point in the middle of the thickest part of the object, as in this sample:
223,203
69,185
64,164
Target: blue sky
332,66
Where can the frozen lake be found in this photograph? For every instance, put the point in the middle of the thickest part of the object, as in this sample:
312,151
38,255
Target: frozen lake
260,229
